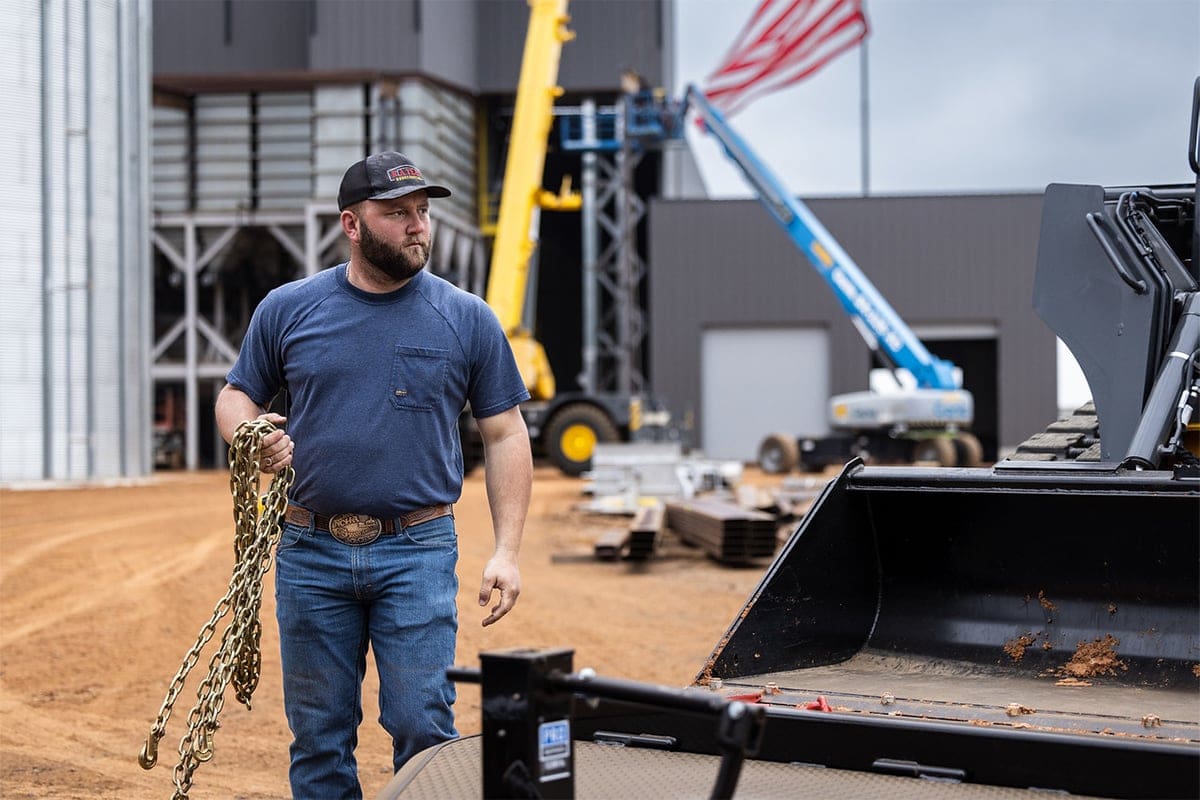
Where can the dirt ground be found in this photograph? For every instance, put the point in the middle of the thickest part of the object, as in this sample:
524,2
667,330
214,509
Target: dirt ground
104,590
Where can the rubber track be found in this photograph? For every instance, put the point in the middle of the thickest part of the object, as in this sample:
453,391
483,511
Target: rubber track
1073,438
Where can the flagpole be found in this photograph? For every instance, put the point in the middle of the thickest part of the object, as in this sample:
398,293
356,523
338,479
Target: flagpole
865,112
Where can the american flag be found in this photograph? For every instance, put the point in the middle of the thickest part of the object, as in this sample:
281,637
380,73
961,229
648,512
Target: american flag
784,42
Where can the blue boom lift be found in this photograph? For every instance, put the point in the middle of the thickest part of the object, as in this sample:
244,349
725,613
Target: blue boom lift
926,413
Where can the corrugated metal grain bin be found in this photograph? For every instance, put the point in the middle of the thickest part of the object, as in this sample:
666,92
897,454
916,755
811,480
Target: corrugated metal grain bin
74,331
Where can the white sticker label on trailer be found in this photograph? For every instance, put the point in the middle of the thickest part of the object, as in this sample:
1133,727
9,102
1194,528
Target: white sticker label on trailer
554,749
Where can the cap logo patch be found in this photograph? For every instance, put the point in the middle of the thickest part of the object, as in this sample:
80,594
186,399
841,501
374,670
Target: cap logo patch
404,172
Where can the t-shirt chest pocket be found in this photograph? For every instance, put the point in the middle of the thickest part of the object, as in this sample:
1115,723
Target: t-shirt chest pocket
418,377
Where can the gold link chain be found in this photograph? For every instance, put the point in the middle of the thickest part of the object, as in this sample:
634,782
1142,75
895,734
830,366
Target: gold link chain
238,659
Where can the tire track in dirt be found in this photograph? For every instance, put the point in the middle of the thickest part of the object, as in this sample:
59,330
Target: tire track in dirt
52,602
97,742
25,554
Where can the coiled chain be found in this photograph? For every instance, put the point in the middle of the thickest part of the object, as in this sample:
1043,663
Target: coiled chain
238,659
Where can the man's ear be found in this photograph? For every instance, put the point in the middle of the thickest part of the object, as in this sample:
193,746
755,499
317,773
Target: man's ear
349,222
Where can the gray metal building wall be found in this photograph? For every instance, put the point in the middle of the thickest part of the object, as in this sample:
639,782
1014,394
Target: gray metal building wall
474,45
246,36
297,37
945,260
610,35
74,189
253,150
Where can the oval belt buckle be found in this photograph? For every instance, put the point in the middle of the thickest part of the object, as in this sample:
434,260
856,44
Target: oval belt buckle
355,528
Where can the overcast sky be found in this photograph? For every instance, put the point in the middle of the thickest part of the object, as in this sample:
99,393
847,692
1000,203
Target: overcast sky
968,96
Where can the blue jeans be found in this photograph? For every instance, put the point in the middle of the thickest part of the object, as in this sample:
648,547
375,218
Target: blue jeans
397,595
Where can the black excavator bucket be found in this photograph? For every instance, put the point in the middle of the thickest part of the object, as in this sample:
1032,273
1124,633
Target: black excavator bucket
907,581
995,625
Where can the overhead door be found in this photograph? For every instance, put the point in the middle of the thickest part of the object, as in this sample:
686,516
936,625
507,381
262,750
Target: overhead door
759,381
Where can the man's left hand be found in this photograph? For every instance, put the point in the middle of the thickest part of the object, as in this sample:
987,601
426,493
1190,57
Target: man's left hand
500,574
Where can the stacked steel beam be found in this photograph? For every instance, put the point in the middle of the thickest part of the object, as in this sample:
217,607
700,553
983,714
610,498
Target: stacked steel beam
723,529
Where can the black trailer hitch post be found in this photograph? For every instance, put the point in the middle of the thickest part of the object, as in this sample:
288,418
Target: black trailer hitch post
527,751
526,704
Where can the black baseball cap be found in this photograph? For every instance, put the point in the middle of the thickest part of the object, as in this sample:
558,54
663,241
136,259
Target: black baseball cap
384,176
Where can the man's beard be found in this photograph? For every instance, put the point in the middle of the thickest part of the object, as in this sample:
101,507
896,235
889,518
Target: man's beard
398,263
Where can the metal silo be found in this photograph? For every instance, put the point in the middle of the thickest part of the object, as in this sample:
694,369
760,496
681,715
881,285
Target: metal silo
75,294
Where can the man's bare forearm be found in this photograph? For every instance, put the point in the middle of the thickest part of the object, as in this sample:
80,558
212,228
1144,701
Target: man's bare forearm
232,409
509,477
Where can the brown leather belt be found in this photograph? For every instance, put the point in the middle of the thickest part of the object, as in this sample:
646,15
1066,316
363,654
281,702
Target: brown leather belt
359,528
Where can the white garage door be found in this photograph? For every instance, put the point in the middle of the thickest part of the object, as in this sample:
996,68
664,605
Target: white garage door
758,381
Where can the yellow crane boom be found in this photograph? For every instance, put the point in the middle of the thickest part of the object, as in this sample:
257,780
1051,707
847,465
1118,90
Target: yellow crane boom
522,195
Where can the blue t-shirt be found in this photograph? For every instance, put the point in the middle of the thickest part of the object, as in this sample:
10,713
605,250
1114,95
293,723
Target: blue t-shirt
376,384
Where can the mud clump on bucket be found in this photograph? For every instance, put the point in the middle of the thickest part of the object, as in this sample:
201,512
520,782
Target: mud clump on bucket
1098,657
1015,648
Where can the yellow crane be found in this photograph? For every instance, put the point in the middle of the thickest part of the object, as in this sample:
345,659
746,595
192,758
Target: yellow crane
563,426
522,196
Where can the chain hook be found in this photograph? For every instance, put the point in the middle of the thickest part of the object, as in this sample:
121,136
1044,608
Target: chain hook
149,755
202,748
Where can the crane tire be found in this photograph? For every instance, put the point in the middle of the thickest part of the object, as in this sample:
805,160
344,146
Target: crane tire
573,433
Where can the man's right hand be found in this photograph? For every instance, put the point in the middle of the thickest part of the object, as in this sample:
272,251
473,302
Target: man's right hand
276,448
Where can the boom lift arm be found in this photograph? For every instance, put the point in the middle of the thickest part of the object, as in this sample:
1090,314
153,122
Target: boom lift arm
921,422
878,324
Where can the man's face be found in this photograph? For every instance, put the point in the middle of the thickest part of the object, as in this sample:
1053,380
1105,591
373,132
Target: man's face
398,240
